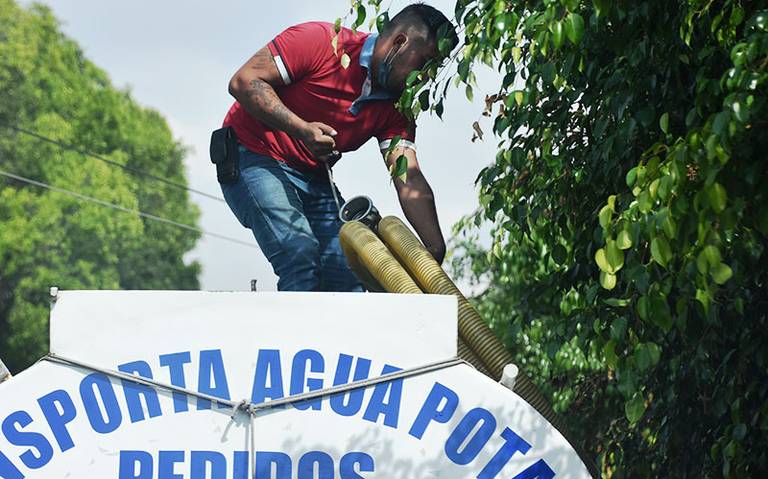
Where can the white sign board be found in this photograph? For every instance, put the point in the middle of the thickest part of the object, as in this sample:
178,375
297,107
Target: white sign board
63,421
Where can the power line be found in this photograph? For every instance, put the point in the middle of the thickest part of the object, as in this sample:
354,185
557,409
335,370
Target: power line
107,204
130,169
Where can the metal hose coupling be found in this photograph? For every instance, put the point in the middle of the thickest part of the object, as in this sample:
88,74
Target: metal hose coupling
360,208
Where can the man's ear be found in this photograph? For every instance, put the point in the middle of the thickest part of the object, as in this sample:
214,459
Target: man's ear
400,40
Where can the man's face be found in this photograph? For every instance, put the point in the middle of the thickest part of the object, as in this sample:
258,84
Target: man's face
410,58
405,55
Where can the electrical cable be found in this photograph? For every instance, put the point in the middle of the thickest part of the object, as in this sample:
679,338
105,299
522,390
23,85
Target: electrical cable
130,169
107,204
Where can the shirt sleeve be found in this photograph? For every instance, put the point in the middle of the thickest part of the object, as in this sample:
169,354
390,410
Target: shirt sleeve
298,51
397,125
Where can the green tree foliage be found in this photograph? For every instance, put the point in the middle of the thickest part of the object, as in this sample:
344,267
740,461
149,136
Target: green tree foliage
47,238
629,205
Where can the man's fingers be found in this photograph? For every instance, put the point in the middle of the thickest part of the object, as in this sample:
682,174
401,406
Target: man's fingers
323,146
320,150
325,141
327,130
330,157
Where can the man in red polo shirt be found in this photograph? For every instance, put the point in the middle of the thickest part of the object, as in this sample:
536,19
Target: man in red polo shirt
299,108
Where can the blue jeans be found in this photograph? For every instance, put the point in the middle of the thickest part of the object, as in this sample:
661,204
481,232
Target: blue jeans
295,221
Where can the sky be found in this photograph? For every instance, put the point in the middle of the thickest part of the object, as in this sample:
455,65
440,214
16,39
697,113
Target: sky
177,57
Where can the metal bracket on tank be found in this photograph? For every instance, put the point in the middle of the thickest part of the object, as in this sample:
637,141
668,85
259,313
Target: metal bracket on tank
508,376
4,373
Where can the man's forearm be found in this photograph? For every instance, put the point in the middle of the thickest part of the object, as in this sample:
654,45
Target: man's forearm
418,204
260,100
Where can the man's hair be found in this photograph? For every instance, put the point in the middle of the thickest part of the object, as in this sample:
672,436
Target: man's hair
422,15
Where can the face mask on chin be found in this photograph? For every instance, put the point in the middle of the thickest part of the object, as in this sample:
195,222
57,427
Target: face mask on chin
385,68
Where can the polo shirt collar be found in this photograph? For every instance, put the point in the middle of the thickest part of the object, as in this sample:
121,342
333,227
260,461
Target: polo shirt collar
367,51
366,54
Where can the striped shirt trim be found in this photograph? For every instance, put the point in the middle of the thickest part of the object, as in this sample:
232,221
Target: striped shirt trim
402,143
283,71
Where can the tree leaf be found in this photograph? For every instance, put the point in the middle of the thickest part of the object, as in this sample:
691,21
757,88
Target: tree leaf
614,256
643,307
624,240
607,280
721,273
605,216
653,188
660,250
647,355
634,408
506,21
660,314
619,325
644,201
424,100
717,197
664,123
609,351
400,168
720,123
665,185
602,7
382,21
406,100
702,264
712,255
345,60
760,20
602,261
740,111
631,177
574,27
392,145
559,254
412,78
444,47
703,297
669,227
478,130
361,14
439,108
572,5
335,44
557,34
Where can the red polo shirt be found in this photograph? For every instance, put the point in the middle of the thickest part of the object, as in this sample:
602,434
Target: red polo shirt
318,88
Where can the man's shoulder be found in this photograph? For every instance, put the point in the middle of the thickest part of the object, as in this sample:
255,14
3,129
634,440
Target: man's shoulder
330,30
313,27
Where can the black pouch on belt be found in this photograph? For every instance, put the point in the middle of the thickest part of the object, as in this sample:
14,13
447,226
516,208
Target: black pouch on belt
225,155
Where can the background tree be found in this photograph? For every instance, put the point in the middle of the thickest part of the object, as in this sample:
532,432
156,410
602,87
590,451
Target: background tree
629,206
48,238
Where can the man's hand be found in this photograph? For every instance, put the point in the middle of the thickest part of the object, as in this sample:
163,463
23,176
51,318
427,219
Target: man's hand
253,87
318,138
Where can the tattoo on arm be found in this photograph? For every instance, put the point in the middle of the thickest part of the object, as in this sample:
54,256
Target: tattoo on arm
262,101
273,112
